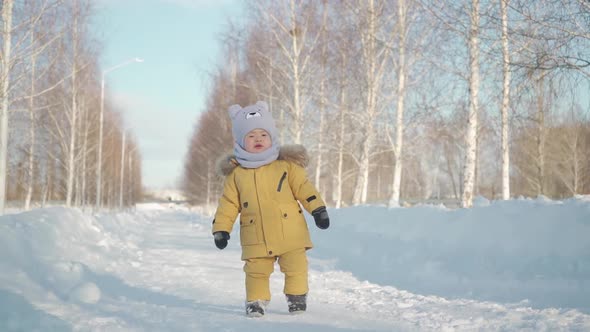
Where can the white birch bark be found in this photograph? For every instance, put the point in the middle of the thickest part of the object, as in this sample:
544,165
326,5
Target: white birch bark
568,158
540,162
472,121
373,77
505,101
362,184
338,177
401,95
323,104
99,163
318,164
32,129
83,194
340,167
71,168
294,46
295,51
71,165
77,200
7,6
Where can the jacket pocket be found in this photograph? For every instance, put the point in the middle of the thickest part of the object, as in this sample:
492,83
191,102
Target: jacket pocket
293,222
248,234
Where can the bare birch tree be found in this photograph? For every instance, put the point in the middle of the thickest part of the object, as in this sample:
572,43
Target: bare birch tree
343,108
472,124
7,7
73,118
505,100
292,32
467,71
401,95
322,100
32,129
568,161
19,21
374,64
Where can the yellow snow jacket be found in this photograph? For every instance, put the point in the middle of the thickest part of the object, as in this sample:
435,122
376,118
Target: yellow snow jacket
268,200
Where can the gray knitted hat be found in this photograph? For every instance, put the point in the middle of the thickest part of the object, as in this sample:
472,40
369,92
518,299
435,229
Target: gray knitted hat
249,118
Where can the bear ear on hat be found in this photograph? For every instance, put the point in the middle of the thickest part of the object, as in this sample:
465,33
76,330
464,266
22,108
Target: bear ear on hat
234,110
262,104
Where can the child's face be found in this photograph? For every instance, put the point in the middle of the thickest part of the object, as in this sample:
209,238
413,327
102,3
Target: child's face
257,140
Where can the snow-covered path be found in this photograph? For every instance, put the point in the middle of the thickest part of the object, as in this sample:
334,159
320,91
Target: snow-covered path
158,270
185,284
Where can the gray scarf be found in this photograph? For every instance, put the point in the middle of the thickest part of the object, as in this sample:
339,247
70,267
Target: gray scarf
255,160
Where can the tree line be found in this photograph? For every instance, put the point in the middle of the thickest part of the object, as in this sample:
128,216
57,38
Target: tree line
410,100
61,136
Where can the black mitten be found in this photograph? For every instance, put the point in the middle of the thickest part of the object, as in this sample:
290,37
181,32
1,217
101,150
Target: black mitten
221,238
320,215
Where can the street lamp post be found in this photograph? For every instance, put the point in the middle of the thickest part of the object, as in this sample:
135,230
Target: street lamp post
101,125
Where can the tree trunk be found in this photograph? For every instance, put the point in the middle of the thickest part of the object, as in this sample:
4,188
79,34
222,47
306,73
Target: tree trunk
505,102
209,182
32,129
99,162
340,169
540,137
472,122
401,94
5,81
323,98
130,199
338,181
362,183
122,181
318,166
297,88
83,197
73,120
450,167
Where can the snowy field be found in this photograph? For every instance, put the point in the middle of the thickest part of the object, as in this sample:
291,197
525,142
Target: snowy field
515,265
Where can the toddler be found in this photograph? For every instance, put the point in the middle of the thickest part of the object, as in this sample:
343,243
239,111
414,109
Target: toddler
267,185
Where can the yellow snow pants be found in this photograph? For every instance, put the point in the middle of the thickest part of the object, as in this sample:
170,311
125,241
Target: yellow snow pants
258,270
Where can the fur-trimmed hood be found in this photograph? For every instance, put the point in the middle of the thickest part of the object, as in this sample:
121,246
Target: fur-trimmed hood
295,153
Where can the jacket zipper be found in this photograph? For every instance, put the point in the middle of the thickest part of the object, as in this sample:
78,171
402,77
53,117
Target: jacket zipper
281,181
259,207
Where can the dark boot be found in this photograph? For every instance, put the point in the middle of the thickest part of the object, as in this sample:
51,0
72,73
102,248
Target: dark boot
297,303
255,308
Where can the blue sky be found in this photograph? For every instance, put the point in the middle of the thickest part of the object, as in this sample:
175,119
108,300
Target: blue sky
161,98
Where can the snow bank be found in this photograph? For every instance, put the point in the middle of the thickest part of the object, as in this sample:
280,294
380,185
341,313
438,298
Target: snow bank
375,268
508,251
